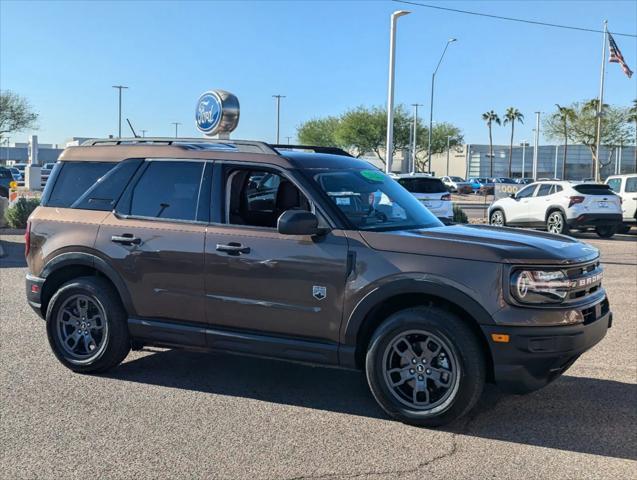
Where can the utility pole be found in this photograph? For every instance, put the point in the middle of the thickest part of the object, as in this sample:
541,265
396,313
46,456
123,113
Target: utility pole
120,88
389,154
414,138
524,145
144,133
278,115
176,124
448,138
288,138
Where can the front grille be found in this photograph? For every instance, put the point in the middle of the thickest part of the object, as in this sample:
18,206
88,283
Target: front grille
595,312
585,280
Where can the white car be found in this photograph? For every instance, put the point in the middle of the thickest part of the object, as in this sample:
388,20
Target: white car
626,187
457,184
430,191
559,206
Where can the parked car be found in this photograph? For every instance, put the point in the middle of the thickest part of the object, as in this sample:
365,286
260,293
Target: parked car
559,206
626,187
431,192
20,167
485,185
6,178
457,184
475,184
503,180
523,181
17,176
149,242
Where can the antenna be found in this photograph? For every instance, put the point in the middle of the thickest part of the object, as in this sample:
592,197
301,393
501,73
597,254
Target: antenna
132,129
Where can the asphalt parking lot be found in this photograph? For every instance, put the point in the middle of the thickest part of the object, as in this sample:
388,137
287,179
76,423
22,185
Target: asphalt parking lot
176,414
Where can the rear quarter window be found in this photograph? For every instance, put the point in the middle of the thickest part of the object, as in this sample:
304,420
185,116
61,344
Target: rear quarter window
593,189
631,184
72,180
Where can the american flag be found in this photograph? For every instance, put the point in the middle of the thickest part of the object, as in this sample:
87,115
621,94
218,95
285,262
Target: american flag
617,57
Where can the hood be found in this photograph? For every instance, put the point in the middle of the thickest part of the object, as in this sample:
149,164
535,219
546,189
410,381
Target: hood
484,243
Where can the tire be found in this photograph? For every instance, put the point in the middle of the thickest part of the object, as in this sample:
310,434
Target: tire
464,371
87,304
497,218
606,231
556,223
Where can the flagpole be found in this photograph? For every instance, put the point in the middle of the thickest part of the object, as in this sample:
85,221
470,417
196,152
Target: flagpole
600,103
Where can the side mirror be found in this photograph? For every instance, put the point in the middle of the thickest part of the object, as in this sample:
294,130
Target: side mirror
297,222
512,195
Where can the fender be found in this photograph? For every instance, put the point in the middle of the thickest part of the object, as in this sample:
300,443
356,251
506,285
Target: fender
90,260
554,207
429,285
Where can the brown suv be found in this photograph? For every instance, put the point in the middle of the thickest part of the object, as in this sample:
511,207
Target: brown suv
304,254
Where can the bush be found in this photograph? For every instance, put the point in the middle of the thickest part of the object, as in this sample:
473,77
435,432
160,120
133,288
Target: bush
459,216
18,214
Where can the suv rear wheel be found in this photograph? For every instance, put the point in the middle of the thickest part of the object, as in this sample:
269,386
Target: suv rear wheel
86,326
425,367
606,231
556,223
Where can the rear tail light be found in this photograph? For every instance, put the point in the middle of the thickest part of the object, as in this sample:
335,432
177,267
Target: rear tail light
27,240
446,196
575,200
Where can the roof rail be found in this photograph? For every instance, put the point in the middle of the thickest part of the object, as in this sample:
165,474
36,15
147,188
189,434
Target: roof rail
316,149
241,146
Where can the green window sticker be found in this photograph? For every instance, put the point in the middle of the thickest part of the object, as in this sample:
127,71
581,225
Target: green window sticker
373,175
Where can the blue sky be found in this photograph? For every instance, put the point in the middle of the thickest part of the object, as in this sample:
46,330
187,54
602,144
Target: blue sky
326,57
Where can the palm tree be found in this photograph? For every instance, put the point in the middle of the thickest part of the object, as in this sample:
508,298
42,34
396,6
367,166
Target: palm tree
565,115
511,116
491,117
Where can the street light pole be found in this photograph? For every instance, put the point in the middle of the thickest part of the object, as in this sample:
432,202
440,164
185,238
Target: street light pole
414,138
431,102
120,88
278,115
176,124
390,88
144,133
524,144
536,144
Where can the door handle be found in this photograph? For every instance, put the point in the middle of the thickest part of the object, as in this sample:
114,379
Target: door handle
233,248
126,239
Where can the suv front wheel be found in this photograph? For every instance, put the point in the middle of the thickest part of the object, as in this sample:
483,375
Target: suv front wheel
425,367
497,218
86,326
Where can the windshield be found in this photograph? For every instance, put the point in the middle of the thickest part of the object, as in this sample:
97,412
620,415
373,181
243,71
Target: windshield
372,201
423,185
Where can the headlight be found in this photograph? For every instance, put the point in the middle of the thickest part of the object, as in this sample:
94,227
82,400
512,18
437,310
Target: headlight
538,286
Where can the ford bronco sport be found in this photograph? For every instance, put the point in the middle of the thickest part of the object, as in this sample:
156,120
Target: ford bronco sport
304,254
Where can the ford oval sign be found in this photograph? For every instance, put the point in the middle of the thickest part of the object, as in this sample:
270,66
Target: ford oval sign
217,113
208,114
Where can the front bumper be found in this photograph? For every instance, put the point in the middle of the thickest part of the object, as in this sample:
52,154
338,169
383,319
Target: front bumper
535,356
34,292
595,220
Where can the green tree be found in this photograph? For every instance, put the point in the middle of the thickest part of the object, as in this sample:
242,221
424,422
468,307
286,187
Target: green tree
564,117
491,117
616,129
15,113
632,117
439,134
320,132
511,116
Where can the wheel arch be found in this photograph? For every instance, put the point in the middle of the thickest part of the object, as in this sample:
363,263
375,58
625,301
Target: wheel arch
69,265
374,309
552,209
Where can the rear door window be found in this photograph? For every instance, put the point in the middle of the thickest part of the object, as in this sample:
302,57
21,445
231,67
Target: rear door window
631,184
72,180
168,190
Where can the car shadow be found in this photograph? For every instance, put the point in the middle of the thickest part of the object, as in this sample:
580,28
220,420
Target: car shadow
576,414
13,254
